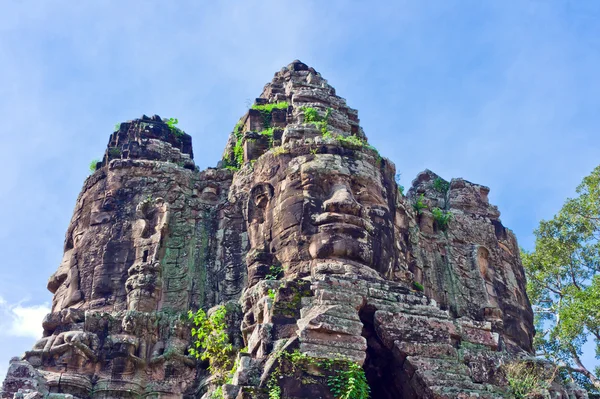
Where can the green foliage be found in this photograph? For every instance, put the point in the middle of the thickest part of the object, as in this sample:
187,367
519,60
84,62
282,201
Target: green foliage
563,281
94,165
419,204
271,106
114,152
311,115
273,386
525,380
418,286
441,218
350,140
400,186
279,150
172,122
266,110
349,383
272,294
274,272
117,127
217,393
440,185
211,341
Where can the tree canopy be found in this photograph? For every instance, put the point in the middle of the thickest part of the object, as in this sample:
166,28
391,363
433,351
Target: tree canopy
564,282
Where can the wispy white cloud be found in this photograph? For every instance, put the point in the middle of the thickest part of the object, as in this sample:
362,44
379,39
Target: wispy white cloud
20,320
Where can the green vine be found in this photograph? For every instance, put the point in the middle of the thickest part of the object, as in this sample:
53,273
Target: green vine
350,383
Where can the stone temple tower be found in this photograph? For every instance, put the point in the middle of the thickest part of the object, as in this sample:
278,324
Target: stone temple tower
332,279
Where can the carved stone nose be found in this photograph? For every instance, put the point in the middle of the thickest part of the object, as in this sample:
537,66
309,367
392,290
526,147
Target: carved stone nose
342,201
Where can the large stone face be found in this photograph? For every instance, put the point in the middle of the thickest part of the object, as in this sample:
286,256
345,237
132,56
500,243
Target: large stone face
313,248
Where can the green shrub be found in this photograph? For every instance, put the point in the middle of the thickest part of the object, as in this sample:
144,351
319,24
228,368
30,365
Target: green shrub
400,186
94,165
171,122
210,340
419,204
525,380
440,185
442,218
311,115
117,127
418,286
272,294
274,272
114,152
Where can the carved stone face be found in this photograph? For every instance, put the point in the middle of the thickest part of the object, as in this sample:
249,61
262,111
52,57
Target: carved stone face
323,206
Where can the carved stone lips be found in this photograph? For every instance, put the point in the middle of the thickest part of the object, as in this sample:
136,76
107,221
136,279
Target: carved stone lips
327,218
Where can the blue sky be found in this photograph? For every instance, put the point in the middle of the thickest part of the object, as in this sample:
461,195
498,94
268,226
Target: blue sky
502,93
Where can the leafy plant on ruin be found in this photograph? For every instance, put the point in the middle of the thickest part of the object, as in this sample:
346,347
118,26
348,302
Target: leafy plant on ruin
238,149
311,115
279,150
274,272
526,380
267,109
114,152
94,165
349,382
419,204
441,218
418,286
171,123
117,127
440,185
400,186
271,294
210,340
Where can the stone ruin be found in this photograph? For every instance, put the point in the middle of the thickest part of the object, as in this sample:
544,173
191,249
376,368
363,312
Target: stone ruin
303,233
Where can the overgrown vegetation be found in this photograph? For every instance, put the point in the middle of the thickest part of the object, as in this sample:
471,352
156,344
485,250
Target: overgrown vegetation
400,186
563,282
94,165
171,123
440,185
419,204
350,383
271,106
117,127
348,380
275,272
114,152
211,342
311,115
266,111
418,286
526,380
441,218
